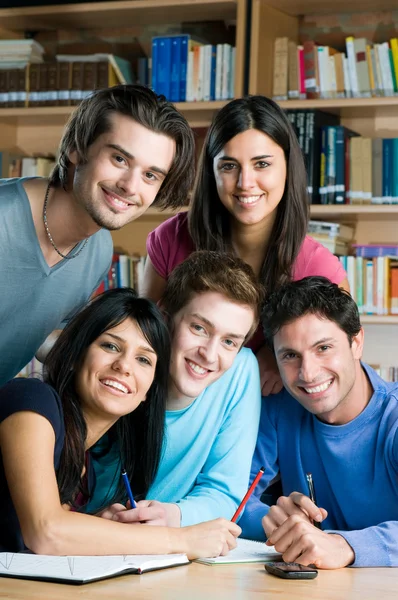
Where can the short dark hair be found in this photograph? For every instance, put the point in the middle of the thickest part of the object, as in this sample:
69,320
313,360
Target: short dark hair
311,295
139,435
92,118
209,220
210,271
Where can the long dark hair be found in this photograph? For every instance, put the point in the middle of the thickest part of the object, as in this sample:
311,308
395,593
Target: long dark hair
92,118
139,435
210,222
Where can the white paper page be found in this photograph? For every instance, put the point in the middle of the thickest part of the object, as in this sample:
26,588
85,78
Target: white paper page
79,567
246,551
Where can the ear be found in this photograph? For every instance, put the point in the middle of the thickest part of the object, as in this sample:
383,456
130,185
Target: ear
357,344
73,157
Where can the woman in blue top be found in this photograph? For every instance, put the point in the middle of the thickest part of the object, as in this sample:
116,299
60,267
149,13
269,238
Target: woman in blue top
108,371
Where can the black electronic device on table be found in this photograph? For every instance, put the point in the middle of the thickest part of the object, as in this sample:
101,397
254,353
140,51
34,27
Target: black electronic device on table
290,570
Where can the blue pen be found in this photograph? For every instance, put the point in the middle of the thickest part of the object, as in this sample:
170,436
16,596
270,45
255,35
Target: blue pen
128,489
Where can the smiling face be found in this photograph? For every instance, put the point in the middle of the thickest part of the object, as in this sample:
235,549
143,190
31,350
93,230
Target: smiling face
250,174
206,337
123,174
116,373
320,369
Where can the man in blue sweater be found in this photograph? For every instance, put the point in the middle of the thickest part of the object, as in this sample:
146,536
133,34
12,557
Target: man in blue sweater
337,419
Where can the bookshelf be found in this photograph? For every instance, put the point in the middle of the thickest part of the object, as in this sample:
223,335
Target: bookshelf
39,129
371,117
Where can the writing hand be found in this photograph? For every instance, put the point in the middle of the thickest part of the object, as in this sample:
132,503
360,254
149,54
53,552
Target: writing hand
270,379
299,541
295,504
210,539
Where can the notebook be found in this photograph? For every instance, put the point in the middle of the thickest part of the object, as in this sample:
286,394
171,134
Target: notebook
82,569
246,551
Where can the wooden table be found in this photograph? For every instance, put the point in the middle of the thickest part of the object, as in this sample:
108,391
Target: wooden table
221,582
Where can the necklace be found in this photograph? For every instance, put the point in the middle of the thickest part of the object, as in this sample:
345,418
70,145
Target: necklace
67,256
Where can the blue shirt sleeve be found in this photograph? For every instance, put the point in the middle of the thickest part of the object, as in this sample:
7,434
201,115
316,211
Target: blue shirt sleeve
223,480
265,455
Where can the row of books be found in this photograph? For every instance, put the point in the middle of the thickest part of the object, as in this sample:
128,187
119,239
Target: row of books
25,166
314,71
63,82
334,236
184,69
125,271
343,167
386,373
373,283
16,53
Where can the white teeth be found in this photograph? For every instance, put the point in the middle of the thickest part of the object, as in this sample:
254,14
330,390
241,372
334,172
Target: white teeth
248,200
197,368
319,388
116,385
120,202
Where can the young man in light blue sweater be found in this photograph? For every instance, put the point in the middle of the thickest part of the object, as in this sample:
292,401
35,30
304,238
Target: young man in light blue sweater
211,303
336,419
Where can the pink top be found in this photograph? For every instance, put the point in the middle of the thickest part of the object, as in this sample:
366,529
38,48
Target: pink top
170,243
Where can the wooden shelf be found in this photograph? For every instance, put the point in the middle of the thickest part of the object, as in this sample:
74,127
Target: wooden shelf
115,14
379,319
370,212
317,7
348,107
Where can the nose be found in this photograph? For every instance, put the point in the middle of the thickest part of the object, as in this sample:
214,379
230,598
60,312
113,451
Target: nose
208,350
246,178
308,369
129,182
123,365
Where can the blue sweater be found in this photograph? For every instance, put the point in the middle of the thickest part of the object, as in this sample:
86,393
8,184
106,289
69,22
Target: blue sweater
209,446
354,468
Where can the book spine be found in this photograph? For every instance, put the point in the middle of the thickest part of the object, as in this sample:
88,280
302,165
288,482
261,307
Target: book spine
154,63
184,48
175,69
339,196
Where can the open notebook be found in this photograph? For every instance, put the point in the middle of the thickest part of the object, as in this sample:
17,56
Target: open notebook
82,569
246,551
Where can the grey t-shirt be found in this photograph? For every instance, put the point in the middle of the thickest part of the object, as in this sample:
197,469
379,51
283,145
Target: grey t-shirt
35,299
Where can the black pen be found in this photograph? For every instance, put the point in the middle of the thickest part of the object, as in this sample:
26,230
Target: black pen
311,491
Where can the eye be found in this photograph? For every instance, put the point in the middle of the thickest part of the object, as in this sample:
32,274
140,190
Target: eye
262,164
324,348
151,176
119,159
227,166
144,360
289,356
110,346
230,343
198,328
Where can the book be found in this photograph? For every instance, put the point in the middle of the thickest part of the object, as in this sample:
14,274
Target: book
82,569
246,551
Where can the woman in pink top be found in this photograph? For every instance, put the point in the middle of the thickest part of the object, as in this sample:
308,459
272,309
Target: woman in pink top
250,198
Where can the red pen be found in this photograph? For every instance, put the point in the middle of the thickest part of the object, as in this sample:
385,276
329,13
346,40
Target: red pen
248,494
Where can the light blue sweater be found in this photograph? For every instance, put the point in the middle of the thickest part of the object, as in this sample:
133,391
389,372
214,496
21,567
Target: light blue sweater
209,446
354,468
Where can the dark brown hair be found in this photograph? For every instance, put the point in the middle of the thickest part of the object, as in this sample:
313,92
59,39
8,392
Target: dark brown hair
209,220
210,271
310,295
92,118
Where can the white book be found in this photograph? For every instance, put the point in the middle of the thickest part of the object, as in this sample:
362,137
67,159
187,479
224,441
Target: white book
82,569
246,551
347,82
232,73
207,72
189,89
226,65
323,69
219,56
352,69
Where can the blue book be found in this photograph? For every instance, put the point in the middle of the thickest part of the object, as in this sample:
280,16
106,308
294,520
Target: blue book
213,72
175,68
163,66
387,169
154,64
394,171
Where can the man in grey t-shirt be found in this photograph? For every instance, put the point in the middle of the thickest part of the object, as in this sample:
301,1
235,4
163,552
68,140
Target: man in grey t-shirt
122,149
